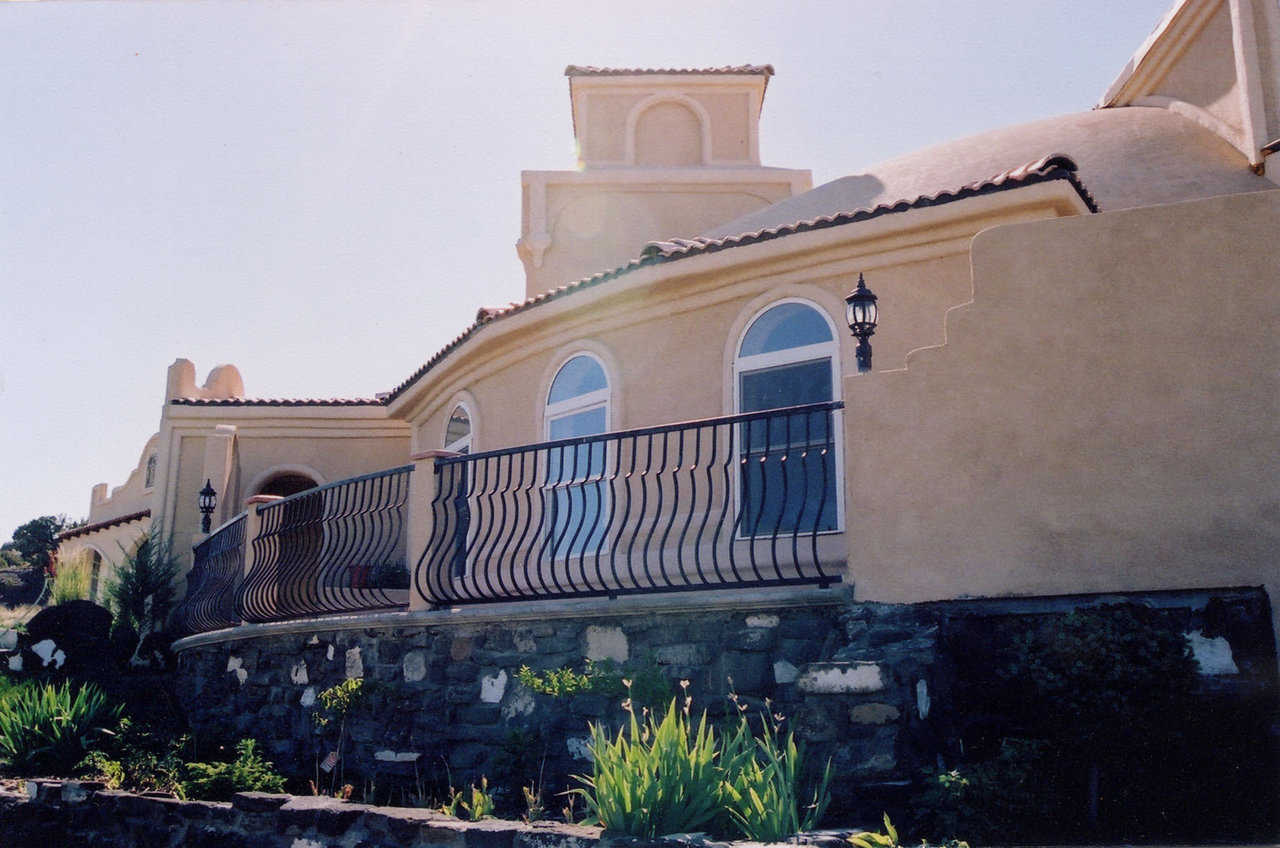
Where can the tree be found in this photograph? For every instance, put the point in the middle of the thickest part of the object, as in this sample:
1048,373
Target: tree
37,539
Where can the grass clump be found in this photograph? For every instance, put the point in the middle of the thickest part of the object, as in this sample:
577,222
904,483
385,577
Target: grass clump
71,579
477,806
47,728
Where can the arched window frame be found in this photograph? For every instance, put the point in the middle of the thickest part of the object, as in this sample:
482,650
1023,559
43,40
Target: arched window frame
788,356
465,443
552,412
581,403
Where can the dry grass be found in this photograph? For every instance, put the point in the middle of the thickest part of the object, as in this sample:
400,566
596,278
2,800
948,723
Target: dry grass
11,617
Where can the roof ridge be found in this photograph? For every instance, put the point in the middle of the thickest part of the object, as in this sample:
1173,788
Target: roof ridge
598,71
198,401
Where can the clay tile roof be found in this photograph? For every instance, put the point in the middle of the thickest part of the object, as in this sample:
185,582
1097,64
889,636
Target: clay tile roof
593,71
86,529
1055,166
190,401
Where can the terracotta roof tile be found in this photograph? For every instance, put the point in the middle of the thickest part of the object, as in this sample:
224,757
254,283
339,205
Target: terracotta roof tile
86,529
593,71
189,401
1055,166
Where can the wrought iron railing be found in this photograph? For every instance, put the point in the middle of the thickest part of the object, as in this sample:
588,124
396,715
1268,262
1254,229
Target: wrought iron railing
216,572
336,548
743,500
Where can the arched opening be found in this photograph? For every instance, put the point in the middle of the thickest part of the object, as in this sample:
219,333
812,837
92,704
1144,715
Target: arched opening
457,433
286,483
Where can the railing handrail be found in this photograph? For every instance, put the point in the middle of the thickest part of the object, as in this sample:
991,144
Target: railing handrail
386,472
574,441
223,526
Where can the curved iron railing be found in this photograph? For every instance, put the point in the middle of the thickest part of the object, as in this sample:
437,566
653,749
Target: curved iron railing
216,572
335,548
742,500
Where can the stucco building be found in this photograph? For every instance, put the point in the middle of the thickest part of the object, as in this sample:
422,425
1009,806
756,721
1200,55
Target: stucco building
1073,390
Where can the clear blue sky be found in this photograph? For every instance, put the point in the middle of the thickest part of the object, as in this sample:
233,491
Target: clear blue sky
323,193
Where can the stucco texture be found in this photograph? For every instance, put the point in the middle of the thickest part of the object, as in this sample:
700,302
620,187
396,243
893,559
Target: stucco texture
1103,416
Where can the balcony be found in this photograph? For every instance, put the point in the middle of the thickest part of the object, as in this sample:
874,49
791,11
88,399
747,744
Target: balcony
752,500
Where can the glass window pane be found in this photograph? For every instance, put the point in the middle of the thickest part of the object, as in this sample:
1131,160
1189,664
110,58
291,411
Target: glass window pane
459,426
795,496
786,385
577,377
785,326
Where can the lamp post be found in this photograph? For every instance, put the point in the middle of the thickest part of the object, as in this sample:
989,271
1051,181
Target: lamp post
861,313
208,499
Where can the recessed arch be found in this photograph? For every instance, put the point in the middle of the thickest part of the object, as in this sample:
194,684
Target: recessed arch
459,428
699,112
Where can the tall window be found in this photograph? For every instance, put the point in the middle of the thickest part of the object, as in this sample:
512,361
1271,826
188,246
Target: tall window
787,358
150,479
457,434
577,405
95,574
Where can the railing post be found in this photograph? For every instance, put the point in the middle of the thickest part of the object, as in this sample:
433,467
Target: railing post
252,527
422,490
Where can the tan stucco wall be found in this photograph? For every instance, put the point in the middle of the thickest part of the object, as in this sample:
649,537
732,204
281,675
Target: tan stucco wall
1205,74
129,497
1103,417
598,226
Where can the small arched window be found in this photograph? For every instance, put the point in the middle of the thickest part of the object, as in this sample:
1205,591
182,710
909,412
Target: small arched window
577,405
457,433
150,479
788,357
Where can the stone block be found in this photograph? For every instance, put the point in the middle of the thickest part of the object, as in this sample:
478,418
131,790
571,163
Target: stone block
491,833
762,620
606,643
875,713
751,673
493,687
258,802
754,639
784,672
414,666
460,648
840,678
683,654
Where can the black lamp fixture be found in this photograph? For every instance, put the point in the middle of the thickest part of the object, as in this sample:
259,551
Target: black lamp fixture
208,499
861,313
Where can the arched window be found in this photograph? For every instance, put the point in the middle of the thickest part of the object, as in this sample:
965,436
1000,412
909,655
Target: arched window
150,479
788,357
287,484
95,575
457,433
577,405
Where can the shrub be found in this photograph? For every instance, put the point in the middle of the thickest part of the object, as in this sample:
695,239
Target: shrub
48,728
657,777
71,579
139,758
249,772
141,591
763,796
642,681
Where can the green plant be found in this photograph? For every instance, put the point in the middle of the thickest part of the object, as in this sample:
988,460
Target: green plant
556,682
139,758
140,593
872,839
249,772
643,681
336,704
478,806
534,808
71,579
657,777
763,796
46,727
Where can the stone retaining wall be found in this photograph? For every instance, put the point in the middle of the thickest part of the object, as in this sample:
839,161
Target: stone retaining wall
853,678
861,683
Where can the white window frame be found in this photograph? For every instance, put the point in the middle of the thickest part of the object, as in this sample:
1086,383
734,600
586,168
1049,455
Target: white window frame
466,441
793,356
553,412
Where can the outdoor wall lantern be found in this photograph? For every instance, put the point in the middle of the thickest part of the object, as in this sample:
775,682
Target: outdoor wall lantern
208,500
861,313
